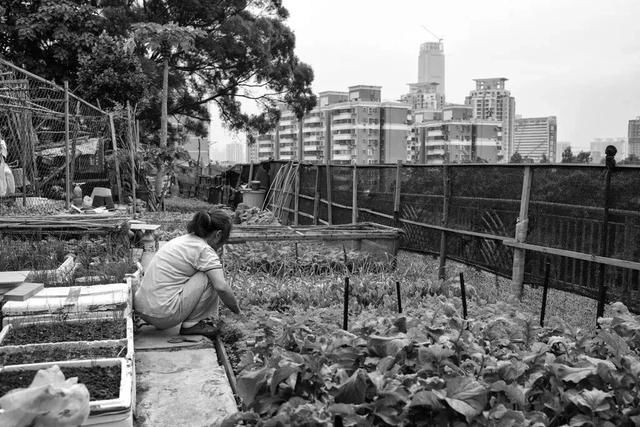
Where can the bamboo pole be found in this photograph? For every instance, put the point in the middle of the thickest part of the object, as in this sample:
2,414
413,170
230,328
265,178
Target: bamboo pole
133,160
445,220
604,237
114,141
521,233
66,143
354,196
296,201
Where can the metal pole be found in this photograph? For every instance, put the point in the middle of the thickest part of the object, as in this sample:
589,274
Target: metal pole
345,318
316,198
66,144
463,294
399,296
545,289
296,201
610,153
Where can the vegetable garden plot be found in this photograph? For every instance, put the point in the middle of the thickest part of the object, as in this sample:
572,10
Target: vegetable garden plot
431,367
89,330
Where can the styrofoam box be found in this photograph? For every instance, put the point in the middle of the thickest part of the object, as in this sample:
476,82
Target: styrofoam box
19,323
113,412
71,301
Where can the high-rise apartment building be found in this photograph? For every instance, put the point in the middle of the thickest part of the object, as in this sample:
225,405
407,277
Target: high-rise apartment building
345,127
458,138
234,152
535,137
634,137
431,65
491,101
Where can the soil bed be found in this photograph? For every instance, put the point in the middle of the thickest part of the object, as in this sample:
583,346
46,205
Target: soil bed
59,354
65,331
103,383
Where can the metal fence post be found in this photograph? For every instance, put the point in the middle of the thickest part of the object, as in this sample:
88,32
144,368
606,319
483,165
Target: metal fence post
521,234
446,186
66,144
610,153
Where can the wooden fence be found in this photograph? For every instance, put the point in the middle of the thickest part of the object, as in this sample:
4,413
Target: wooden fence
567,214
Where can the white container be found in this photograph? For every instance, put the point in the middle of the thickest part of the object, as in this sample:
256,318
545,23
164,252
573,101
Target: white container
72,302
253,198
112,412
128,339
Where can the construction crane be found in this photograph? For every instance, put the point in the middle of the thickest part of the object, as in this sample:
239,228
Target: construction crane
431,32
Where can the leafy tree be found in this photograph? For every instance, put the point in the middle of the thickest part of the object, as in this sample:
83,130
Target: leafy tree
631,159
516,158
544,158
567,155
583,157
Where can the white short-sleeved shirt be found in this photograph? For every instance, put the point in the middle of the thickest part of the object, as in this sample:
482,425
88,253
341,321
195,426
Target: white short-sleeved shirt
168,271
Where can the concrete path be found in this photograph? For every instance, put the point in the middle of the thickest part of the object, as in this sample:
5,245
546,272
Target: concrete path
179,384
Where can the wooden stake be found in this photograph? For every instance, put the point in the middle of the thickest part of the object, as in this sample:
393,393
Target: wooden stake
521,233
329,198
114,141
354,197
67,154
316,200
396,199
296,200
399,296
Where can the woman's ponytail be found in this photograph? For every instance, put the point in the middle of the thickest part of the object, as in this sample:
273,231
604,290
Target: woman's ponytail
204,223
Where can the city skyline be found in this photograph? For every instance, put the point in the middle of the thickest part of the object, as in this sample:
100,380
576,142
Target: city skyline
580,57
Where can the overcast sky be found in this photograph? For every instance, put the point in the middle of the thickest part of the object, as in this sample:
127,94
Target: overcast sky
576,59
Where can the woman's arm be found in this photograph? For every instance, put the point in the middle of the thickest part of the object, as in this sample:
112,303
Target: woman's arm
216,277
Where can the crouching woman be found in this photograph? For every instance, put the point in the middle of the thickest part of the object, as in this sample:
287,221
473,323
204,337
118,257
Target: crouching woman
184,279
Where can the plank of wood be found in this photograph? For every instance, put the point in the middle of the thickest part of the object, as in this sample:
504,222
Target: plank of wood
23,292
145,227
12,277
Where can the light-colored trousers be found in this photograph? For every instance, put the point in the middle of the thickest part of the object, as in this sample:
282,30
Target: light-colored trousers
198,301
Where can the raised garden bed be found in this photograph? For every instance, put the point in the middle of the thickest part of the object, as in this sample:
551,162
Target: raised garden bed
75,330
109,381
55,352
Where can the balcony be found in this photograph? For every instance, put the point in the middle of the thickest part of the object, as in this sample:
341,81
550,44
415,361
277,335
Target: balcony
341,157
313,119
343,136
265,150
435,132
343,126
435,152
312,148
342,116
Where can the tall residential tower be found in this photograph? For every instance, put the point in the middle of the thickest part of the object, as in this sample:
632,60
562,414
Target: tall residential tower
491,101
431,65
634,136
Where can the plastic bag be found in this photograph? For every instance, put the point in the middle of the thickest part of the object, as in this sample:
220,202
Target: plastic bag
8,175
50,401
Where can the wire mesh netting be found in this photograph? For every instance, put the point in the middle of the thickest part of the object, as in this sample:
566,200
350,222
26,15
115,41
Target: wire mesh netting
51,137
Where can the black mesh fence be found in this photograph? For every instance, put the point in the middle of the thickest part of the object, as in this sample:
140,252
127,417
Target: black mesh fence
483,204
